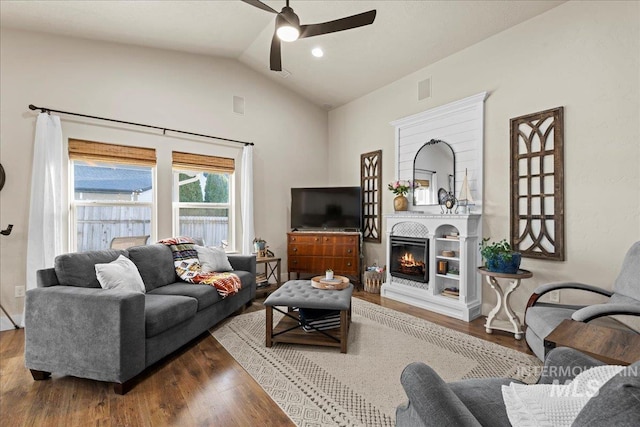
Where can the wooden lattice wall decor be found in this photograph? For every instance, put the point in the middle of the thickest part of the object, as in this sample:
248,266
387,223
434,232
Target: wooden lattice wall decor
537,184
371,183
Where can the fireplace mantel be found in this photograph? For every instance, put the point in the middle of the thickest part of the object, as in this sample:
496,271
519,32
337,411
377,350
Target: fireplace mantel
448,232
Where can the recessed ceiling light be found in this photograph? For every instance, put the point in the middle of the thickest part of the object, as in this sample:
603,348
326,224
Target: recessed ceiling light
317,52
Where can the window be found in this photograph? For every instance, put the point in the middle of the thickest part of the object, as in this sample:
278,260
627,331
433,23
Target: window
203,198
113,193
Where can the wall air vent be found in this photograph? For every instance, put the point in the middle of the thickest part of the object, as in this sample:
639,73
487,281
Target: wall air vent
424,89
238,105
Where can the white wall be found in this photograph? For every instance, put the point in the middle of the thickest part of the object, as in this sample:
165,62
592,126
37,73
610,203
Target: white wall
581,55
165,88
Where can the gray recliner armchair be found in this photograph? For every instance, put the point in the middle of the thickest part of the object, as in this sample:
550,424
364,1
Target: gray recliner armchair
542,318
479,402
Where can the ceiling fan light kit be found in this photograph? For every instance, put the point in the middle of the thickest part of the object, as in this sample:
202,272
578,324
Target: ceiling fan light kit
287,25
288,28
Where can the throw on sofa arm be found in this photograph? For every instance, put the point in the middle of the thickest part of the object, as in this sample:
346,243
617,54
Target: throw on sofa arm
84,332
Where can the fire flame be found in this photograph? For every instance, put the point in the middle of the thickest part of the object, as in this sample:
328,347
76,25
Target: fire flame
408,260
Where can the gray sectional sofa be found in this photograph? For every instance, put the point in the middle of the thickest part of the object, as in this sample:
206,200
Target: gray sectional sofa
74,327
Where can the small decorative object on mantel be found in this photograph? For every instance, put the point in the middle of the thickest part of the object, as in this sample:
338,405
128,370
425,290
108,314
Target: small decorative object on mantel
400,189
499,257
449,203
465,201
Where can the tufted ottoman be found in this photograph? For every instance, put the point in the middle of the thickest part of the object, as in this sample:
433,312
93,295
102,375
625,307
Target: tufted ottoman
296,294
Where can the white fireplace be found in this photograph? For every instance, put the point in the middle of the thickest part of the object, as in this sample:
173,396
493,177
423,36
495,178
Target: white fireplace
452,285
454,241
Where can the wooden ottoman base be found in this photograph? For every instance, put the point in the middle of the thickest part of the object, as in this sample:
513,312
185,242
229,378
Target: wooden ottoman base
300,294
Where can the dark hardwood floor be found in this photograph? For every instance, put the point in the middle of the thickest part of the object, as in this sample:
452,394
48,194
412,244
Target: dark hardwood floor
201,385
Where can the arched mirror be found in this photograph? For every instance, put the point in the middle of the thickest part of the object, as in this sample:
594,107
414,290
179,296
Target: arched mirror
434,168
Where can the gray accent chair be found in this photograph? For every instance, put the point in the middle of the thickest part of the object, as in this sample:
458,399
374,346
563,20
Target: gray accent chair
542,318
479,402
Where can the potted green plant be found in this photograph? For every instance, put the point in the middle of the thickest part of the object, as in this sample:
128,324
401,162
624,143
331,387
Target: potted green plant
259,244
499,257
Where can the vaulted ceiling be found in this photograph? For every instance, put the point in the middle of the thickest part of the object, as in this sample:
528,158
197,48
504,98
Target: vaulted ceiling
405,37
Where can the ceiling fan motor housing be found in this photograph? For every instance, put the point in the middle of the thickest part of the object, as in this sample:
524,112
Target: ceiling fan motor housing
290,16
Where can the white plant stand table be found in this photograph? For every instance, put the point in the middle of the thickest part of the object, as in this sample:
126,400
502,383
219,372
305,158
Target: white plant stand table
503,292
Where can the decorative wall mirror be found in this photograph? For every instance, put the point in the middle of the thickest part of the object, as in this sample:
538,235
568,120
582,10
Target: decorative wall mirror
434,168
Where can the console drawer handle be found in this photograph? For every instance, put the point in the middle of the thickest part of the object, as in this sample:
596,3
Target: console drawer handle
295,249
349,251
348,264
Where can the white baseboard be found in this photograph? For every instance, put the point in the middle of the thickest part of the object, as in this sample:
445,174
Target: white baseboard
5,323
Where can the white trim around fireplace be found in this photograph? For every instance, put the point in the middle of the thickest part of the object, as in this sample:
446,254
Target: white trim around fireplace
441,232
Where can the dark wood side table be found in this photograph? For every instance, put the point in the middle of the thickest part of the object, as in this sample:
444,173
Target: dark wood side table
271,271
612,346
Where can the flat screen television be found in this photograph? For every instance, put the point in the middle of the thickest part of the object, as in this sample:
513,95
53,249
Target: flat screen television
326,208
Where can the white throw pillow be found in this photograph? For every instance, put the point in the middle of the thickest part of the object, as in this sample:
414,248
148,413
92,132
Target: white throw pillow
120,274
213,259
555,405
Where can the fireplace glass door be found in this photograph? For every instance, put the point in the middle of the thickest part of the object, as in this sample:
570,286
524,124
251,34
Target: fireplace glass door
409,258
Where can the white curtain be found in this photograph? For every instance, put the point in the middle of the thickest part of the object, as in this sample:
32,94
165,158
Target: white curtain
44,238
248,232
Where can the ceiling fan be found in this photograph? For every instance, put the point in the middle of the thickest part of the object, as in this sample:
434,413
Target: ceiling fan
288,27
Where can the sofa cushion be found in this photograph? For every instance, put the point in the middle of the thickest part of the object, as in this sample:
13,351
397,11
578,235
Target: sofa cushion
162,312
616,403
78,269
205,295
155,264
544,319
483,398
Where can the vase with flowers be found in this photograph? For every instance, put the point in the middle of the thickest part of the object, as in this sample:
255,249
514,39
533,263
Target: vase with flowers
400,189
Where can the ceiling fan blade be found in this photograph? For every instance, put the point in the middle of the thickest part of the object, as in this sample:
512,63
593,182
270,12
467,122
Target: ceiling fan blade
260,5
342,24
276,57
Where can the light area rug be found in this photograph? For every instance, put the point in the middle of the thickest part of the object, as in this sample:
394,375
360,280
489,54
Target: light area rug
319,386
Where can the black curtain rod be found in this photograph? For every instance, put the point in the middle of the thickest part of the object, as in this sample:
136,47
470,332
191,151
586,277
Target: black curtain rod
164,130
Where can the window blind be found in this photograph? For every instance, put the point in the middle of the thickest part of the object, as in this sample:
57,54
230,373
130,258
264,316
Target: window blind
204,163
89,150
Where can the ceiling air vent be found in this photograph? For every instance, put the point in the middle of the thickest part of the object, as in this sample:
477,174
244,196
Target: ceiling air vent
284,73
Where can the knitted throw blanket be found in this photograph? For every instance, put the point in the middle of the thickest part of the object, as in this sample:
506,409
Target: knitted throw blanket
187,265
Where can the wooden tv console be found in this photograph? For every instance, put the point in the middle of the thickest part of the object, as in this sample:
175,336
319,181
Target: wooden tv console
314,252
